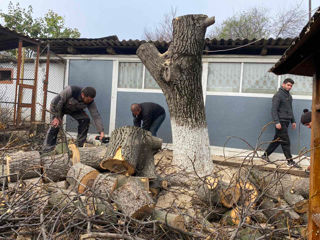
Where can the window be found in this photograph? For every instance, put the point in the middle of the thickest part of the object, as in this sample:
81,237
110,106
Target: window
302,85
257,79
6,75
224,77
130,75
135,75
149,81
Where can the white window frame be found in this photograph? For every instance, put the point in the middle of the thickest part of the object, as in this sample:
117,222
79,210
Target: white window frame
243,60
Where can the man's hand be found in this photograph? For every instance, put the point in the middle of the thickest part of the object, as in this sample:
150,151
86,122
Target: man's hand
101,136
294,125
55,122
278,126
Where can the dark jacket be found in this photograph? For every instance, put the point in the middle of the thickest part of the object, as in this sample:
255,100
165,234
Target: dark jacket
282,107
69,101
149,112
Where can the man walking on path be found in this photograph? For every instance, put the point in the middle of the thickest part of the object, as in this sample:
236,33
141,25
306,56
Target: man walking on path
72,101
151,115
282,115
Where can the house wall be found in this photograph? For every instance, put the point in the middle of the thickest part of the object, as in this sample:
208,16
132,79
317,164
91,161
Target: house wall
233,109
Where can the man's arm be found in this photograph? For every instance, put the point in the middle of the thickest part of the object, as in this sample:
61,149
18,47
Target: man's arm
92,107
146,124
58,102
136,121
275,107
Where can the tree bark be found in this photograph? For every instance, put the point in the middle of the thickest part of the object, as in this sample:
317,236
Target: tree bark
178,73
133,200
219,193
131,150
172,220
27,165
81,176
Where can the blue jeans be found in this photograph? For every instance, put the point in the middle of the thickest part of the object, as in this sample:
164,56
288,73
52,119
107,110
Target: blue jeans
156,124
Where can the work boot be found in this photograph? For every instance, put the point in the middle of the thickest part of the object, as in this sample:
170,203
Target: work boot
292,163
265,158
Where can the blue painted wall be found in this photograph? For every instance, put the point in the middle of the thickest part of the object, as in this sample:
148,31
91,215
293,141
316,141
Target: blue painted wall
124,115
242,117
97,74
245,117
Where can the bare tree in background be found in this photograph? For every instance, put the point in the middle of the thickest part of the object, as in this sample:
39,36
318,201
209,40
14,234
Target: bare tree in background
163,31
258,23
289,23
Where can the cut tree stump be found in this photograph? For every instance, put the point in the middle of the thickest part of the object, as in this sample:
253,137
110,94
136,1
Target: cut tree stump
131,150
80,177
133,200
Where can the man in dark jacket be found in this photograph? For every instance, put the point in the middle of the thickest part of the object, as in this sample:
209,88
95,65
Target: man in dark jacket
151,115
72,101
282,115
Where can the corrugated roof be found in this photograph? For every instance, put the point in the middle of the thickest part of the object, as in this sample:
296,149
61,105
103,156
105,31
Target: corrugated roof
112,45
298,58
9,39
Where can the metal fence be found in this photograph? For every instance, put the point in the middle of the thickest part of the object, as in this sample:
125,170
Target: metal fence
37,84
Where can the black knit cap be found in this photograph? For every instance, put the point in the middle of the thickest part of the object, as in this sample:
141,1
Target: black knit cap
89,92
306,116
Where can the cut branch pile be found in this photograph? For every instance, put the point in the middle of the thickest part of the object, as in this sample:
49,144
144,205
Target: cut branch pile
113,192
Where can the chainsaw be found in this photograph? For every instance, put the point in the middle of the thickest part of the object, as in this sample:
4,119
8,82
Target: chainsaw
103,140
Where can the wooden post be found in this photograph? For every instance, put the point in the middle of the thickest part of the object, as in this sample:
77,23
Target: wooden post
17,82
314,193
35,85
45,86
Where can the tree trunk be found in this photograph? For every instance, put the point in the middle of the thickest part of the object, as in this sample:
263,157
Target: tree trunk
218,193
92,156
178,73
131,150
27,165
133,200
81,176
62,198
105,184
172,220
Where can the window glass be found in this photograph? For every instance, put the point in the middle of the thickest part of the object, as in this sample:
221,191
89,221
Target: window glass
257,79
224,77
149,81
130,75
302,85
5,75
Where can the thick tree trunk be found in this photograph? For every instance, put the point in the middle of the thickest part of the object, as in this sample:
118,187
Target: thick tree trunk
26,165
133,200
131,150
92,156
105,184
178,73
61,198
219,193
80,177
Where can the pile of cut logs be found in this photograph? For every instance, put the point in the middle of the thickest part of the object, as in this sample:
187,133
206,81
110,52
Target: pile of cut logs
121,179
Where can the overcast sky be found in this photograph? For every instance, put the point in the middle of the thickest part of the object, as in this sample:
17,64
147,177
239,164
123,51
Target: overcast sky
128,19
